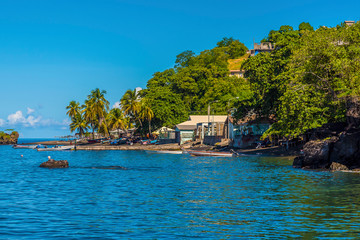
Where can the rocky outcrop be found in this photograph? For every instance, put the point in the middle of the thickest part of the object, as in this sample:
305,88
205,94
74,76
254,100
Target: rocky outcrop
51,163
335,153
9,138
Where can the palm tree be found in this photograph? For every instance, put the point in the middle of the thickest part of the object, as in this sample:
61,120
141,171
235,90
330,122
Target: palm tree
79,123
73,109
130,102
90,116
145,112
96,107
116,119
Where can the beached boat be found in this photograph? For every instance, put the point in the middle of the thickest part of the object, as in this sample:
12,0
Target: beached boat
60,148
165,151
210,153
96,140
24,146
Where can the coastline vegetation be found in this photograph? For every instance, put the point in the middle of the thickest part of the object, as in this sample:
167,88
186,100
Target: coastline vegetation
9,136
309,79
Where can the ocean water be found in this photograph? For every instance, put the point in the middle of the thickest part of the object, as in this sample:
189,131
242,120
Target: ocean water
161,196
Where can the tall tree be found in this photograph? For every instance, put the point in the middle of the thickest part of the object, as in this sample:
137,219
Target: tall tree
80,124
130,103
116,119
145,112
73,109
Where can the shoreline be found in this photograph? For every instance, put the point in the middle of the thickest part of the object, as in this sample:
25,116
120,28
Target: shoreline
276,151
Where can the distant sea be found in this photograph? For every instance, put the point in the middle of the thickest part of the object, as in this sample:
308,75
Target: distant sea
31,140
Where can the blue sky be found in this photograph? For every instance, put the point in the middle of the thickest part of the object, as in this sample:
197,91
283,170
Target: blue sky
52,52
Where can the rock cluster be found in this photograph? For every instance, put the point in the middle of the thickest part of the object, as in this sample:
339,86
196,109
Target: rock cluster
340,152
9,138
51,163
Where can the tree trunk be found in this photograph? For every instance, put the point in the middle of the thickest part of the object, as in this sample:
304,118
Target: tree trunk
150,127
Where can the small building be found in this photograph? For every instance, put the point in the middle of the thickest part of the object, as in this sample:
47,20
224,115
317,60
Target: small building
349,23
237,73
165,135
196,127
262,47
247,132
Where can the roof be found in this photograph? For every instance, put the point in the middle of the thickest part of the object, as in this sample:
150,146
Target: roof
190,124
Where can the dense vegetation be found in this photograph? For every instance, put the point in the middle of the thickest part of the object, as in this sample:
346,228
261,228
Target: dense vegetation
310,78
194,82
95,114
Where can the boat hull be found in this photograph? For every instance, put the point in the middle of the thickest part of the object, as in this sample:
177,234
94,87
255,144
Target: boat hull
210,153
24,146
164,152
62,148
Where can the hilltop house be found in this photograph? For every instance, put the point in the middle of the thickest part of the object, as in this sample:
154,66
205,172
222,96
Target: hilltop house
238,73
262,47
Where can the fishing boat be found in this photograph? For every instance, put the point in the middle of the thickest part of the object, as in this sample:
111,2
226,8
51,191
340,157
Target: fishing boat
211,153
59,148
96,140
165,151
24,146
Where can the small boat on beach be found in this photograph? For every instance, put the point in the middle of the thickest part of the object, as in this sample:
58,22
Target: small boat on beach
59,148
96,140
164,151
210,153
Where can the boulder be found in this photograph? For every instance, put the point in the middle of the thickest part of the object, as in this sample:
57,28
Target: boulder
315,154
335,153
55,164
346,151
338,166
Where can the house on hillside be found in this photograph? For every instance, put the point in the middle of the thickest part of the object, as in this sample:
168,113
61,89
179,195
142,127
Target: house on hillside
247,132
237,73
234,66
349,23
196,126
262,47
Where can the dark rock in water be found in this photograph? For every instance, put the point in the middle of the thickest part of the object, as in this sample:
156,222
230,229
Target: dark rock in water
316,154
347,150
55,164
335,153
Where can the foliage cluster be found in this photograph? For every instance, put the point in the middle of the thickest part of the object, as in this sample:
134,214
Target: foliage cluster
194,82
95,114
307,80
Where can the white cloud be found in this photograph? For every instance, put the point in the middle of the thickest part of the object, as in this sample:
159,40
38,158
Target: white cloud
32,121
19,118
30,110
116,105
16,118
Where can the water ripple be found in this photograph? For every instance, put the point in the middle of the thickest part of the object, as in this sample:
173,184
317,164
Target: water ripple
129,194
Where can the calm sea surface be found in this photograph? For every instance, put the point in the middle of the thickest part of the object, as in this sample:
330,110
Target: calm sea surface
162,196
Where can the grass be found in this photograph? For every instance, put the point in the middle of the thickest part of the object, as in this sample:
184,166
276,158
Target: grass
235,64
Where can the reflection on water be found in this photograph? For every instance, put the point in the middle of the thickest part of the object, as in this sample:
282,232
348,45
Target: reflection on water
172,196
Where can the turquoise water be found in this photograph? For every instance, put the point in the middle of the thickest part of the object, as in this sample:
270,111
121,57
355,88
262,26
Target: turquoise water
163,196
